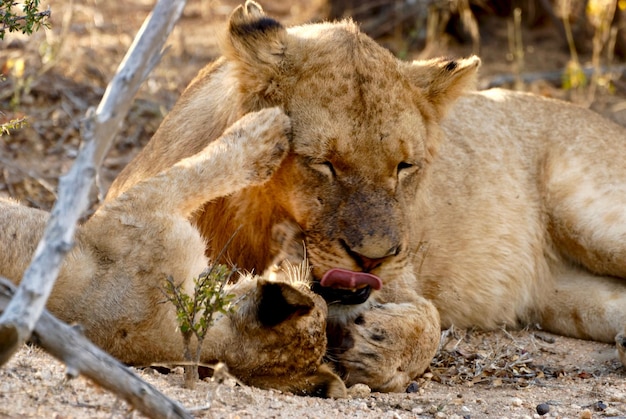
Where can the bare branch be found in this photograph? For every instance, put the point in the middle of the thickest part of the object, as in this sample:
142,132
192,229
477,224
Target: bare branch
21,315
81,356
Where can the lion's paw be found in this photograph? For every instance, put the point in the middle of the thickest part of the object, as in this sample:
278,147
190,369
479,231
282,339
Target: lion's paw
263,139
620,343
385,346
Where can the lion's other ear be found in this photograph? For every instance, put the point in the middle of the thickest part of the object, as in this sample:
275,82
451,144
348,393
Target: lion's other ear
255,44
280,301
442,81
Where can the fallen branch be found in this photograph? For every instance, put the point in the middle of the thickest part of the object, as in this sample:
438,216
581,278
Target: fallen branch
83,357
19,319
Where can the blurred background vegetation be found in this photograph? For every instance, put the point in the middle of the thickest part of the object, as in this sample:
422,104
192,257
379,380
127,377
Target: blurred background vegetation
569,49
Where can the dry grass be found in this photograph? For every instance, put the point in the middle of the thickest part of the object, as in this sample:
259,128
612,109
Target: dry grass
512,359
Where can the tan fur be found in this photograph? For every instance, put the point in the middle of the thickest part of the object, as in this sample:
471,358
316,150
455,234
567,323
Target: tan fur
500,208
112,281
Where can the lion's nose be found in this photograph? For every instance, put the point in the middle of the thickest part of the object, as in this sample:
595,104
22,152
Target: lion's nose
372,259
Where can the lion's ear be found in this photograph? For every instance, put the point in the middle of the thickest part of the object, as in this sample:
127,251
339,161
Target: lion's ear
281,301
442,81
255,45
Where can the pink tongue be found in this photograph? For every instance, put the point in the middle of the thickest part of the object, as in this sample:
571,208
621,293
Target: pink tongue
344,278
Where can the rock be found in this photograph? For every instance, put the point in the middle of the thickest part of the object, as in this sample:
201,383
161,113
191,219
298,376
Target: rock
599,406
543,409
516,401
413,387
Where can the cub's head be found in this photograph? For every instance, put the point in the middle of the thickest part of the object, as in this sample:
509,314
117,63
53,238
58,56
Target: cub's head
365,128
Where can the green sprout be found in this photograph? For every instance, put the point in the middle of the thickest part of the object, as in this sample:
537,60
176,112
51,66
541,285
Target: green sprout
196,313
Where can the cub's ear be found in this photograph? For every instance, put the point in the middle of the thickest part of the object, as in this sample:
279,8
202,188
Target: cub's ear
442,81
255,45
280,301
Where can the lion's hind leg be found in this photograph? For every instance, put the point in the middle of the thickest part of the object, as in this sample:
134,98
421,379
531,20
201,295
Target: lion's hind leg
587,306
584,305
584,195
585,200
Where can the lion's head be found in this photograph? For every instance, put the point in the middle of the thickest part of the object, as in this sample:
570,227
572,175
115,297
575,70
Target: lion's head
365,128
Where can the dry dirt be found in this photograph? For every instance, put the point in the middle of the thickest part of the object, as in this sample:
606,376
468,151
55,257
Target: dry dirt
54,76
479,375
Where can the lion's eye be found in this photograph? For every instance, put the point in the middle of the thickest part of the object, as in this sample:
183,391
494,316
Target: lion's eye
325,168
406,168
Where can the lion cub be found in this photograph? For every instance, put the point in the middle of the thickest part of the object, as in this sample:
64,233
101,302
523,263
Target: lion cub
111,282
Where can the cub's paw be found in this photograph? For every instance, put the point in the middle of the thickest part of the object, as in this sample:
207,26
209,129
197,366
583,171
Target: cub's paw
263,141
385,346
620,343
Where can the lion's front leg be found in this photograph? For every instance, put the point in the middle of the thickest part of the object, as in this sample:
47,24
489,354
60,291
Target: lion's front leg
387,345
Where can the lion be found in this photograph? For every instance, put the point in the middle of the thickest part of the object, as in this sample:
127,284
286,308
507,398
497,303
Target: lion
112,283
409,188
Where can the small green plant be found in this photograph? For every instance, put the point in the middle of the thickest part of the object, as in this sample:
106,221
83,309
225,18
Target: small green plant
13,124
30,21
196,312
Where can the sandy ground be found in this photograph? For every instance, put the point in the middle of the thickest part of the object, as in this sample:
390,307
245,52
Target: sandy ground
65,70
480,375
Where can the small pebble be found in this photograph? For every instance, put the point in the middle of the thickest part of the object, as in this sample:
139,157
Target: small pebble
413,387
586,414
543,408
599,406
516,401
